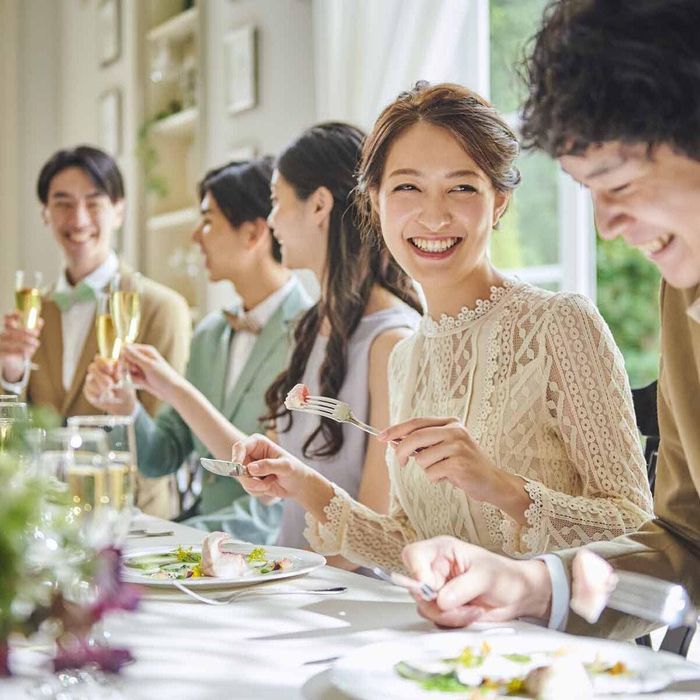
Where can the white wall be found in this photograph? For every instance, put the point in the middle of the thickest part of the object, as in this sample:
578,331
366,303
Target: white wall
30,128
286,85
286,102
9,163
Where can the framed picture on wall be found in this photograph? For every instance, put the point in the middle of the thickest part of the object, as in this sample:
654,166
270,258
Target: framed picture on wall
110,122
109,30
241,69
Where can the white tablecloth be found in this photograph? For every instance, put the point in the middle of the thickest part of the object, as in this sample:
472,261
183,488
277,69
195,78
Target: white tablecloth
255,648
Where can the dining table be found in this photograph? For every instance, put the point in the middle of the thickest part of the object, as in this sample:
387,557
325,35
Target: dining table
260,646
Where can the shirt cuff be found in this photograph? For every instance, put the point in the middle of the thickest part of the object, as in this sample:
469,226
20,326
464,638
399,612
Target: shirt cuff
16,387
137,411
559,614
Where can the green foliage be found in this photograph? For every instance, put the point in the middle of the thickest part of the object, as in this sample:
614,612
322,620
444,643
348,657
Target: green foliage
147,153
628,290
512,23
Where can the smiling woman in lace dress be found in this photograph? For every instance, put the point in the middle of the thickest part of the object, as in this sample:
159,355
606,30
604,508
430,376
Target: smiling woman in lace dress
513,424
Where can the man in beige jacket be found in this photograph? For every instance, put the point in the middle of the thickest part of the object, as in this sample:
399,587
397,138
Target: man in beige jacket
82,196
615,96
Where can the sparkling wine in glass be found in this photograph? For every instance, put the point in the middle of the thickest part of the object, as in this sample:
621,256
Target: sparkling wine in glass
125,308
108,342
28,289
78,458
28,297
121,463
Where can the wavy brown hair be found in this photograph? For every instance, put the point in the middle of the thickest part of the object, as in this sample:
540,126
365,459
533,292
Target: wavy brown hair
472,121
327,155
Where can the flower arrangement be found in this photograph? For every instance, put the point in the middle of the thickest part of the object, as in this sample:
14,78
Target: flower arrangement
52,582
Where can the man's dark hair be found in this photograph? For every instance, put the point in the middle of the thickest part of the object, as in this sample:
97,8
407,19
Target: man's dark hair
100,167
614,70
242,191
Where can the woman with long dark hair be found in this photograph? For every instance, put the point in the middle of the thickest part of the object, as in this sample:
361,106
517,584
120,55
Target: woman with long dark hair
343,343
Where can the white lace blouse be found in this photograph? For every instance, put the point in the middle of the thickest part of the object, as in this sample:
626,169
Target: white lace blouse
540,384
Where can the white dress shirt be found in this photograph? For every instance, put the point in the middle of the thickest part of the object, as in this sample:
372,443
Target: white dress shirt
561,595
243,341
75,322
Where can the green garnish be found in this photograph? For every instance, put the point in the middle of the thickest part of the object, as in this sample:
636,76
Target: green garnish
445,683
256,554
518,658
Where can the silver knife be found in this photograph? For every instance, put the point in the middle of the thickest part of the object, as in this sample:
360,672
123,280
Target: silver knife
221,467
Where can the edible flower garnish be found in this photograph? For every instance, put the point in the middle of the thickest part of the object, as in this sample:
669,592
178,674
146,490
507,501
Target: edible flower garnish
256,554
187,555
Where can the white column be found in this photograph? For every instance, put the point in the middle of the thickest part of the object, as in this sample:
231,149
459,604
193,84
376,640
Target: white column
576,238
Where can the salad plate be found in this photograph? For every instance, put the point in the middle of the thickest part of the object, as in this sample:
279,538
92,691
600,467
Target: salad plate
472,664
159,566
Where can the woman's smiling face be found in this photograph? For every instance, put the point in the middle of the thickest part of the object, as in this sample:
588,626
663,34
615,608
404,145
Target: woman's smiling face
436,207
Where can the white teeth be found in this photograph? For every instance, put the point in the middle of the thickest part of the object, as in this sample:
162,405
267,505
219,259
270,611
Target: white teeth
654,246
431,245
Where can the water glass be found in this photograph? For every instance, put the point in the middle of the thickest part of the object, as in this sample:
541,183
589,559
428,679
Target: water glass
12,412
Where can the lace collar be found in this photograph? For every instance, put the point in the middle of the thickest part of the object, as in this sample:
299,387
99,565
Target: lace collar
467,316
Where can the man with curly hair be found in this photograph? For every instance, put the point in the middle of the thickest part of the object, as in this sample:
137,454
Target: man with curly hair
615,97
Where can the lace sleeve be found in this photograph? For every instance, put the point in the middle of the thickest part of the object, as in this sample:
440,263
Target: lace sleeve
353,530
589,399
359,534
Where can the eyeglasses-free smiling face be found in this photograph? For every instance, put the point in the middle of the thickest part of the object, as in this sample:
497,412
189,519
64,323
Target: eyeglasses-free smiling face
651,199
437,208
82,218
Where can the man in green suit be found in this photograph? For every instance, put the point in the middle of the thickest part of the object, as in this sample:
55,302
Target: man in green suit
235,353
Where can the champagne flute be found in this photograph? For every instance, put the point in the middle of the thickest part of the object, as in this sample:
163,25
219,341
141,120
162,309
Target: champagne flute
125,307
28,301
108,343
121,463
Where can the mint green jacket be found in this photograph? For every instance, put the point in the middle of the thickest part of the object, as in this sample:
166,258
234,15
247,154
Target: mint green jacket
165,442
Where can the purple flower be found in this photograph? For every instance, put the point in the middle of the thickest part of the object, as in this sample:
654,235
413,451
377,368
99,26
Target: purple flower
112,592
79,653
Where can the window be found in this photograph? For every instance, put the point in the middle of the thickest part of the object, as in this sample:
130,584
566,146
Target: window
546,235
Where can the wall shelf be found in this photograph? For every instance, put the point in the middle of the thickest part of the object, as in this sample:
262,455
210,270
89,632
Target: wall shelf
181,218
176,28
182,123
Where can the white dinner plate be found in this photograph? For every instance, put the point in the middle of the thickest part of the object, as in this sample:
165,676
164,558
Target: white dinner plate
368,673
303,562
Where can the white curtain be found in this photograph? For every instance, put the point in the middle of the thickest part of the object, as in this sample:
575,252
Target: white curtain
367,51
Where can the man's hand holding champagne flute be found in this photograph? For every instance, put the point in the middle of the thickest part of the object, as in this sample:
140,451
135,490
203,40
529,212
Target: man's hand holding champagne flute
19,339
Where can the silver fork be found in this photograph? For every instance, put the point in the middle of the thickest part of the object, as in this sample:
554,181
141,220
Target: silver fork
339,411
426,592
653,599
252,591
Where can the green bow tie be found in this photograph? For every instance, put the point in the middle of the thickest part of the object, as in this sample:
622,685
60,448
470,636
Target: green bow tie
81,292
